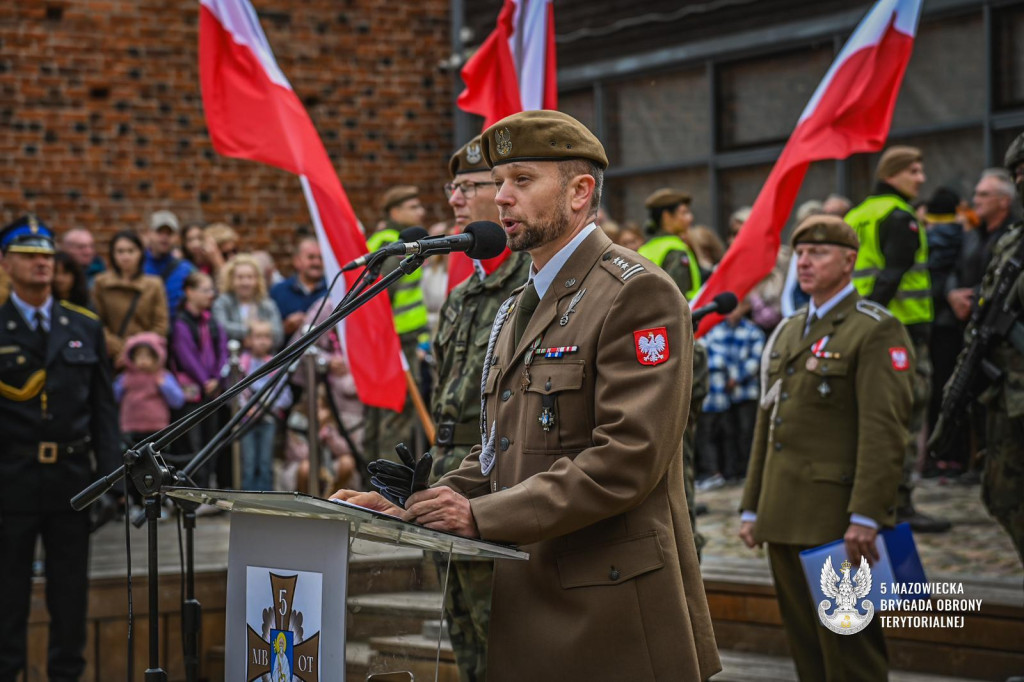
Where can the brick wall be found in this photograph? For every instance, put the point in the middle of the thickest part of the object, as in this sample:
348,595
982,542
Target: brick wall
101,118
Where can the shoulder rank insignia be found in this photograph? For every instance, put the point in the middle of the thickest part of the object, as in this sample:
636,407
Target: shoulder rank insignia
872,309
80,310
628,269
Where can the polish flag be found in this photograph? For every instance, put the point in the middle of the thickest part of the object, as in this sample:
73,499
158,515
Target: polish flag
514,70
252,113
849,113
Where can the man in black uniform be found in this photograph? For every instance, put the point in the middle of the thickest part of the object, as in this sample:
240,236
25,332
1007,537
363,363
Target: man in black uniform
56,407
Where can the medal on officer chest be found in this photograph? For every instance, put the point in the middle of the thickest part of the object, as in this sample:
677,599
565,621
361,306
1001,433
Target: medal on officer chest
527,361
824,389
547,413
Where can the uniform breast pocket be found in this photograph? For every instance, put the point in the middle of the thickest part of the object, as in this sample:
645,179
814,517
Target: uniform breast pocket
557,420
828,380
80,356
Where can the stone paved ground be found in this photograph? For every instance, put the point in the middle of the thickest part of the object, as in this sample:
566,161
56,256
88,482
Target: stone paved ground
975,547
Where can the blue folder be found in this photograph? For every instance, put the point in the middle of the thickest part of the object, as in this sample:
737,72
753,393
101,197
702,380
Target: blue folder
898,564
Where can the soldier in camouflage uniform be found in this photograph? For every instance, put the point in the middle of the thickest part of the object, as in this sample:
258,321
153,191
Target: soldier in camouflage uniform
1002,484
459,347
669,218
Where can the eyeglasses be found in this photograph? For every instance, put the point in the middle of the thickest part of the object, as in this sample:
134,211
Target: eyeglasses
468,189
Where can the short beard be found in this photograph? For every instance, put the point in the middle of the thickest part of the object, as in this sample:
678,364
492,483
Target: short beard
532,236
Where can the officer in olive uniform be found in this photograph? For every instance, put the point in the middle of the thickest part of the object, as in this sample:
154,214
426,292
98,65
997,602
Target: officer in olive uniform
384,428
669,216
892,270
1002,483
57,415
459,348
836,392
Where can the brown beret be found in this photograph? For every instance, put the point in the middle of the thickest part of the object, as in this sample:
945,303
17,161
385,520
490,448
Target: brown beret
469,159
895,159
825,229
665,197
397,194
540,136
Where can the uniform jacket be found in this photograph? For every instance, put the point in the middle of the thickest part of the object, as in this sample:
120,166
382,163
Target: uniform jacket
459,348
1007,395
113,296
831,429
79,404
612,590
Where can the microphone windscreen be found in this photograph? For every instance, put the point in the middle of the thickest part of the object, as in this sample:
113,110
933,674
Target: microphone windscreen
412,234
488,239
726,302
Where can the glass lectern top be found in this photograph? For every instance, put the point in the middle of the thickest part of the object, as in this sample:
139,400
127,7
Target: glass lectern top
366,524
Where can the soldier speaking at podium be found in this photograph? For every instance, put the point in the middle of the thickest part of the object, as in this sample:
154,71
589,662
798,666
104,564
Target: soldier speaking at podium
586,382
57,412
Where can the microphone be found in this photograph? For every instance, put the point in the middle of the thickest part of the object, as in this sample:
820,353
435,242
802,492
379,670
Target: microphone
722,304
481,240
409,234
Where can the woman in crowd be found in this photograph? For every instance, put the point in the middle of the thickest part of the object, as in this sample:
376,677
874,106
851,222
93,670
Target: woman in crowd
199,249
244,298
128,301
69,281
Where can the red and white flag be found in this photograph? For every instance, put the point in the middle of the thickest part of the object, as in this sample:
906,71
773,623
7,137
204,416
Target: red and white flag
849,113
513,71
252,113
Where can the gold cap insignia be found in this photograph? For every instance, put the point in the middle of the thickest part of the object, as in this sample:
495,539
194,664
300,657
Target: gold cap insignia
503,140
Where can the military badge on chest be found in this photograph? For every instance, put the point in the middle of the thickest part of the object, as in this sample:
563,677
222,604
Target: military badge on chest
818,355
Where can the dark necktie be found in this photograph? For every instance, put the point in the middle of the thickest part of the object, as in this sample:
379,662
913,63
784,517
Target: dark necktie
527,304
811,319
41,332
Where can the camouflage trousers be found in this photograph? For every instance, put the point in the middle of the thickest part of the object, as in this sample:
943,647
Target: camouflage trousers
922,387
701,380
467,608
1002,483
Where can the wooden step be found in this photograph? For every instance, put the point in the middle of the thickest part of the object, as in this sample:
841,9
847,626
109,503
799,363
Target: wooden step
745,667
375,615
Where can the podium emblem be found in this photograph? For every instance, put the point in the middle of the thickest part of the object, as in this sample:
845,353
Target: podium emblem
282,626
846,619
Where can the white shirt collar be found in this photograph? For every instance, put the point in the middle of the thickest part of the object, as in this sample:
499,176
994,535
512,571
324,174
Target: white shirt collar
28,311
542,280
824,308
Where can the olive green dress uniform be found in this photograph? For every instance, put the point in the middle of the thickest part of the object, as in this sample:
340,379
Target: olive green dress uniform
58,426
581,468
828,443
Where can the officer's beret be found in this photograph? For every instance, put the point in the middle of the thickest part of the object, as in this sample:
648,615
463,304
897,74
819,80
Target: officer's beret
825,229
895,159
540,136
26,235
469,159
665,197
396,195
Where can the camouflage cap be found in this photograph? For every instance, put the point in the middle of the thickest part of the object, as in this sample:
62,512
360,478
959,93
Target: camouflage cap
665,197
895,159
825,229
469,159
540,136
396,195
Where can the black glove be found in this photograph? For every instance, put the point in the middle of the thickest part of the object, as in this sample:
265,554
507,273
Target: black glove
105,509
396,481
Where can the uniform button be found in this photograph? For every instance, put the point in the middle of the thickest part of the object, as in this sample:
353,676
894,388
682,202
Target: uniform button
504,487
790,370
613,574
778,421
506,394
785,396
778,446
845,478
504,444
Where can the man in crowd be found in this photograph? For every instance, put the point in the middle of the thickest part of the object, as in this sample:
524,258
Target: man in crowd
402,209
836,204
297,293
79,244
892,270
668,220
578,463
460,345
57,413
160,260
839,372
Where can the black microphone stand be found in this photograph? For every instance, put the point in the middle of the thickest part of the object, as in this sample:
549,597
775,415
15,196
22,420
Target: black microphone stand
150,474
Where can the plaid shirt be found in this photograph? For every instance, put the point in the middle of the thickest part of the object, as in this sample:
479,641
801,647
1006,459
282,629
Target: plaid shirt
733,353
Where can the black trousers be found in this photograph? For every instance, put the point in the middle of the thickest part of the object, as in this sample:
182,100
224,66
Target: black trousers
66,544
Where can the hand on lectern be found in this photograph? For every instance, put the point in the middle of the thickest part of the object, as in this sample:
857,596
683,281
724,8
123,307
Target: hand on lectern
374,501
397,481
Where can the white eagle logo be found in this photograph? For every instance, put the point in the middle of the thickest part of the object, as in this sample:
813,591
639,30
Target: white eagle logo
846,619
653,347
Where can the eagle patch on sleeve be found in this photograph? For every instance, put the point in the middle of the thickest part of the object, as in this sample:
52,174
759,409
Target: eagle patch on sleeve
651,346
900,359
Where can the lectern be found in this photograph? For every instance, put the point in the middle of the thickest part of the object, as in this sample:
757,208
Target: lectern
287,577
